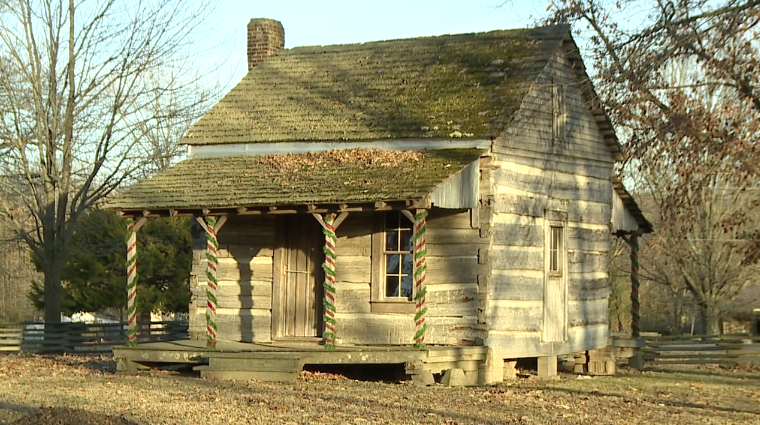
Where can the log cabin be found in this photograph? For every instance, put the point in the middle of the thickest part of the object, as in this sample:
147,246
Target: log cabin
453,196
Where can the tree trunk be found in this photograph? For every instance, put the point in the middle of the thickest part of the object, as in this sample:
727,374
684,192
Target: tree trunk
53,270
710,320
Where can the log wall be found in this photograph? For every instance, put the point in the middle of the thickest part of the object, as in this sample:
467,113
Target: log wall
453,246
244,296
535,177
245,282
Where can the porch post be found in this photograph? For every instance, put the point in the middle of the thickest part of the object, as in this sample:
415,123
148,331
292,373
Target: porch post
131,240
633,241
420,267
329,286
211,226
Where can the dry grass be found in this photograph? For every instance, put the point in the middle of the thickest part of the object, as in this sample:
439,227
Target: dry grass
689,396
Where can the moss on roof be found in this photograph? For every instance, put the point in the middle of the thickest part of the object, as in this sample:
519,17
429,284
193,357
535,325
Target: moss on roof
352,175
465,85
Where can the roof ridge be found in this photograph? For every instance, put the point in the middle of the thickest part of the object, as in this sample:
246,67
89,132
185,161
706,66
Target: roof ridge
560,29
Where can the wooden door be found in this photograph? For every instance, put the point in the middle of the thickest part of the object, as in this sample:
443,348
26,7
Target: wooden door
555,288
297,313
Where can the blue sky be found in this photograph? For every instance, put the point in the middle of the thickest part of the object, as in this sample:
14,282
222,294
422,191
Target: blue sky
326,22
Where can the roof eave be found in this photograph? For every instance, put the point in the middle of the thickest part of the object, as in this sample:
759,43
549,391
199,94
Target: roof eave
280,209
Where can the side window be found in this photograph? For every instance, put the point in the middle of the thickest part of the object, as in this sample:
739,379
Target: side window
559,113
555,250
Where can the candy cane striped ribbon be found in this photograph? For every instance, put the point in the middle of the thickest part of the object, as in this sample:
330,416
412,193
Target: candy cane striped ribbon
212,247
131,240
329,286
420,266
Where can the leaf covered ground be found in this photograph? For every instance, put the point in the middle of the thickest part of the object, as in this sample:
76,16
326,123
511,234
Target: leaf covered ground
67,390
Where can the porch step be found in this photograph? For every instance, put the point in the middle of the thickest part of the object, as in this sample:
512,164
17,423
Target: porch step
263,366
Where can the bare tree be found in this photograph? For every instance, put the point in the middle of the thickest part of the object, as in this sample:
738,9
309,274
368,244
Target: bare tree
679,79
79,82
711,109
703,256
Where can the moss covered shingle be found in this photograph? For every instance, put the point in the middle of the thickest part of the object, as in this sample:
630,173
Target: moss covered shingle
450,86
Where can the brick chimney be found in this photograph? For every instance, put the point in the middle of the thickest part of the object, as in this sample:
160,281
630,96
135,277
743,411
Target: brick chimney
265,38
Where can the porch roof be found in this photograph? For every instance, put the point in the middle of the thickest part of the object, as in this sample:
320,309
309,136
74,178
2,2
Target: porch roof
240,183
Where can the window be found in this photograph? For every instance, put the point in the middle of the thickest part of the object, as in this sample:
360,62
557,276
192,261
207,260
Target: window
398,252
393,264
555,250
559,115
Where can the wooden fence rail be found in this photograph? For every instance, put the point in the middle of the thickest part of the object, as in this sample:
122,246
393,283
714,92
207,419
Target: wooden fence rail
702,349
40,337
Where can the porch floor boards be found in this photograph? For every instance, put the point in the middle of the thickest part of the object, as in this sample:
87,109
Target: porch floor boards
283,361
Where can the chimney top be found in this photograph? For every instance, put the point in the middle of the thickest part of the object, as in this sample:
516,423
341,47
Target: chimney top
265,38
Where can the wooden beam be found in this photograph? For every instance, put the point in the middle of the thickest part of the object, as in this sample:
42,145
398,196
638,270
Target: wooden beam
202,222
320,220
340,219
408,214
220,223
139,223
173,212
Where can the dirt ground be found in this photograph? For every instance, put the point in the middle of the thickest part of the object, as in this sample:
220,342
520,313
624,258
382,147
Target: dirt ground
68,390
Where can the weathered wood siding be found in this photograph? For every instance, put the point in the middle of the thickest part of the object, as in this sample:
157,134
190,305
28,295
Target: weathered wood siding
455,253
571,179
452,279
244,296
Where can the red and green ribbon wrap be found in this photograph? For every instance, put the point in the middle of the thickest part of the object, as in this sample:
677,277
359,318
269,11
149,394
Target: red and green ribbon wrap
131,240
329,286
633,241
420,267
212,247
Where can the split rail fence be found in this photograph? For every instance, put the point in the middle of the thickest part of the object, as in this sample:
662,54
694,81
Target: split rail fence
81,338
724,350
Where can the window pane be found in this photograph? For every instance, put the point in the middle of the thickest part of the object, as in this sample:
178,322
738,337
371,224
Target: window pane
406,240
553,260
391,286
408,264
406,286
392,265
391,240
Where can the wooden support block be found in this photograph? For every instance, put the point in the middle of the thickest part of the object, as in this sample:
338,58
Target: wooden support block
580,363
128,367
601,367
454,378
510,369
636,361
492,369
423,379
547,368
471,377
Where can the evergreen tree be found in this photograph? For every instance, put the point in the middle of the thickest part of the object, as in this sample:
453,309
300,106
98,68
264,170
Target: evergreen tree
94,277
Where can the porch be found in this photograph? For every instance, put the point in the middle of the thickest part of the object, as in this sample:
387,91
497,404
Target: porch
282,362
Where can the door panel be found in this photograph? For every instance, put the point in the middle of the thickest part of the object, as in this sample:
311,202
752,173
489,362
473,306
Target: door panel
299,290
554,309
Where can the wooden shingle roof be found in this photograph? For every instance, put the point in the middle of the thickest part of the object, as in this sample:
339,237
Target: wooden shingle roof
450,86
329,177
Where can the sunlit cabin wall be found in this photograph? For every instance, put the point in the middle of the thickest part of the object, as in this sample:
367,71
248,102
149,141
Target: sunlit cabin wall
537,176
452,273
244,295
